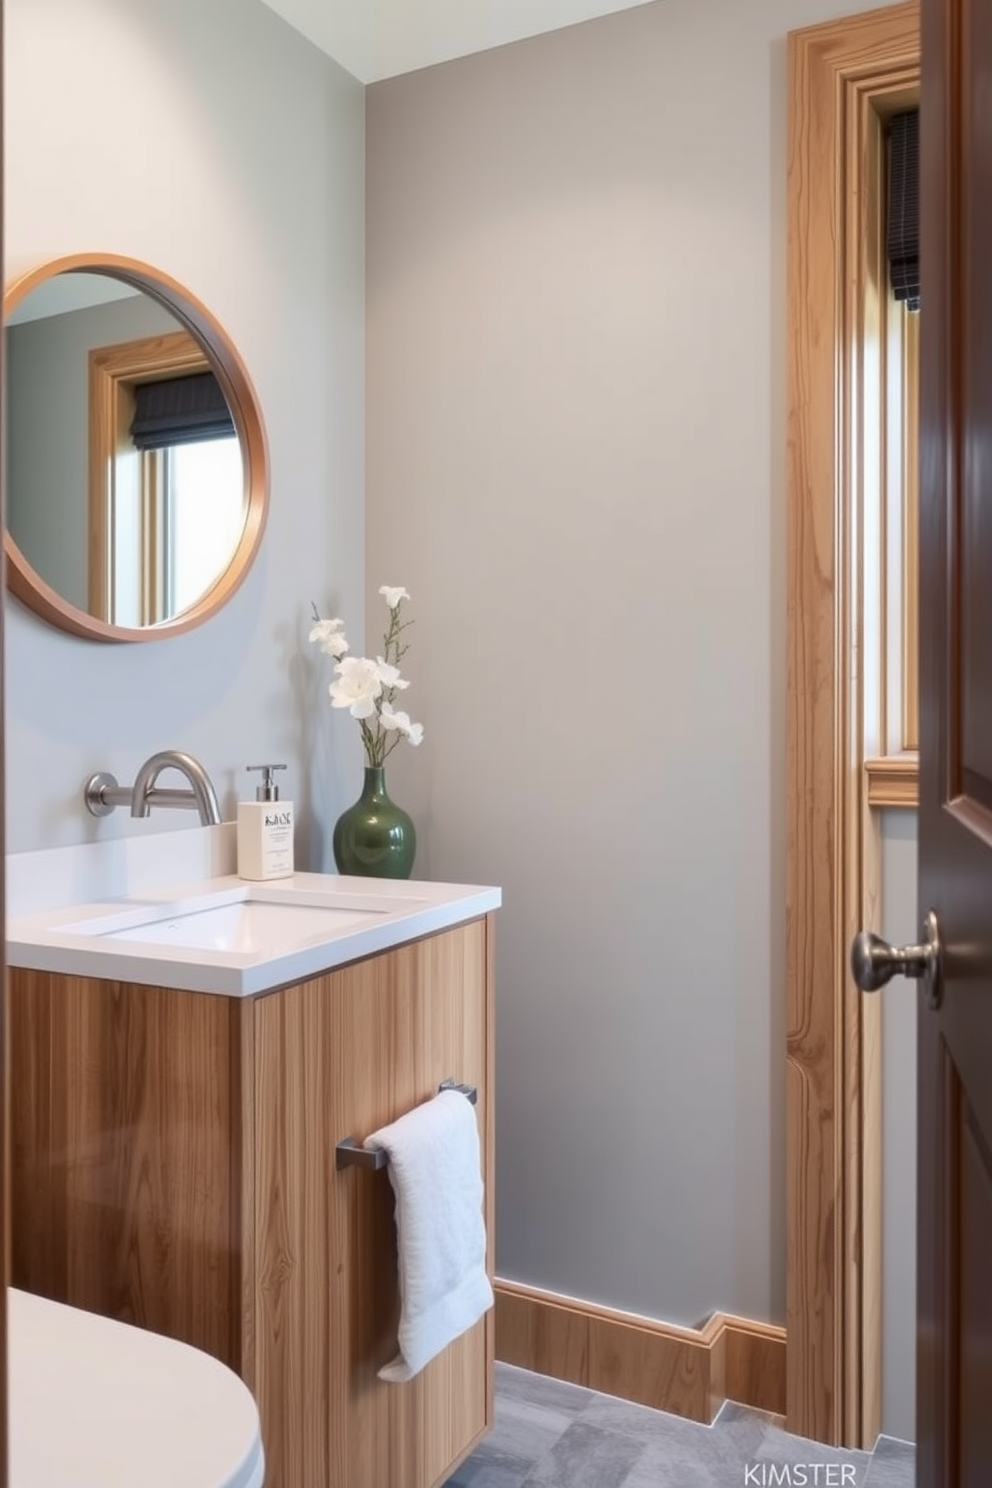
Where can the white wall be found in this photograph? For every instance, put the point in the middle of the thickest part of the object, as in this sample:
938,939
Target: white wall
210,140
900,924
576,436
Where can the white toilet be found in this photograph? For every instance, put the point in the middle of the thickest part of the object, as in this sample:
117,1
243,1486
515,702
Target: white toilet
99,1404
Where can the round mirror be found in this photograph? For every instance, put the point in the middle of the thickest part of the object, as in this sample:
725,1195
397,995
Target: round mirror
136,469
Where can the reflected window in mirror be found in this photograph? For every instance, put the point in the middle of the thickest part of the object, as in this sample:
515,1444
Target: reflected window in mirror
206,512
167,491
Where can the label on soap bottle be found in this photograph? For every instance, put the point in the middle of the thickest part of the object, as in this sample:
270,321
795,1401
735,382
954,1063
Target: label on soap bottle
277,846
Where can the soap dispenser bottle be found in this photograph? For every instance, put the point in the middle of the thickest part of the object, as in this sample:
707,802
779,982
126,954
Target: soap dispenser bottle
265,831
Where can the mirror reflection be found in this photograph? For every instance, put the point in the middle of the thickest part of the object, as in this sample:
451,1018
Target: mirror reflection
126,487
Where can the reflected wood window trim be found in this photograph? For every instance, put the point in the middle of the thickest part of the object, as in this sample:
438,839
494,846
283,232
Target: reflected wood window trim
154,590
113,373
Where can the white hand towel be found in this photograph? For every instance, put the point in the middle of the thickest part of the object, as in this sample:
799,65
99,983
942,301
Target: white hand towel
435,1170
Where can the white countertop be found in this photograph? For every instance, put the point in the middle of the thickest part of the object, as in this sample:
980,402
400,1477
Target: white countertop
111,914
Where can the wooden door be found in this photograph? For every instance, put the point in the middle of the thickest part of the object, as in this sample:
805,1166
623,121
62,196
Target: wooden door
954,1352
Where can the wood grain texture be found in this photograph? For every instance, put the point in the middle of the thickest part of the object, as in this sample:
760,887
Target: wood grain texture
174,1166
687,1371
841,75
894,780
242,1059
755,1364
341,1056
123,1126
866,536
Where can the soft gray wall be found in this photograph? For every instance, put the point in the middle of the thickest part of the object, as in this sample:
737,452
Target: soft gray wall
575,462
47,390
213,142
900,924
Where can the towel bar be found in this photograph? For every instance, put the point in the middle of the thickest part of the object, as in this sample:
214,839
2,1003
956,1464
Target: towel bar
351,1154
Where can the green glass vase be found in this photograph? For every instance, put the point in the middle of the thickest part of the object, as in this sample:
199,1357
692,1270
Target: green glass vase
375,837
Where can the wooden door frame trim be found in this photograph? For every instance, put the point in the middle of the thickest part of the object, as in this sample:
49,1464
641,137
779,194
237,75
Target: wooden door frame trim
838,72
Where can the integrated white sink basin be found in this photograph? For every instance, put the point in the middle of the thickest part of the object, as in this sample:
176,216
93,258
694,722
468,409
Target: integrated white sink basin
235,938
246,922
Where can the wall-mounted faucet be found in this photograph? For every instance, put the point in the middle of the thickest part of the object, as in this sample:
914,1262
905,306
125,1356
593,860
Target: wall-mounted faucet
102,793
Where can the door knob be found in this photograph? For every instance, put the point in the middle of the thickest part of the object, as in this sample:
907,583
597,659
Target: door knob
874,961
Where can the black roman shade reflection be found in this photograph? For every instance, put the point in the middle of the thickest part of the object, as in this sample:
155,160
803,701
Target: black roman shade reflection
903,228
180,410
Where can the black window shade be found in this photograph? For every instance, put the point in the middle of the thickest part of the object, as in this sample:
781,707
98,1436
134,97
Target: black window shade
180,410
903,227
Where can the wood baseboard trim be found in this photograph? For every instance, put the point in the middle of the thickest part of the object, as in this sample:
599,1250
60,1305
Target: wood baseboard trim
690,1372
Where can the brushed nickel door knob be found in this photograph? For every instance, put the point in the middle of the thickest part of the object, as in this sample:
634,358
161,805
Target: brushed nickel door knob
874,961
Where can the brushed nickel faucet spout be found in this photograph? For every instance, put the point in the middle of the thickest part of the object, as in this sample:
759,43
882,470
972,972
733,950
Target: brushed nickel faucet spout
102,793
145,794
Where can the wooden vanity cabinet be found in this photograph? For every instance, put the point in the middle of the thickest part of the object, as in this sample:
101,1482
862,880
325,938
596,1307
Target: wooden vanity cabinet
173,1165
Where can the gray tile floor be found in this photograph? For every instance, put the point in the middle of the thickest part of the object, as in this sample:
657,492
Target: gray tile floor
551,1435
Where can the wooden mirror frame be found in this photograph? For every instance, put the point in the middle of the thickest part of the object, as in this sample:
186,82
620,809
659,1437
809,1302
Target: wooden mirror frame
26,583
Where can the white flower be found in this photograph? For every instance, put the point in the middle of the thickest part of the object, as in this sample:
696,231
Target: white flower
358,686
368,688
401,721
330,637
389,676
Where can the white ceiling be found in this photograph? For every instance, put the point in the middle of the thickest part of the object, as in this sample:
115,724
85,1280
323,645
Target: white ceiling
64,293
375,39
